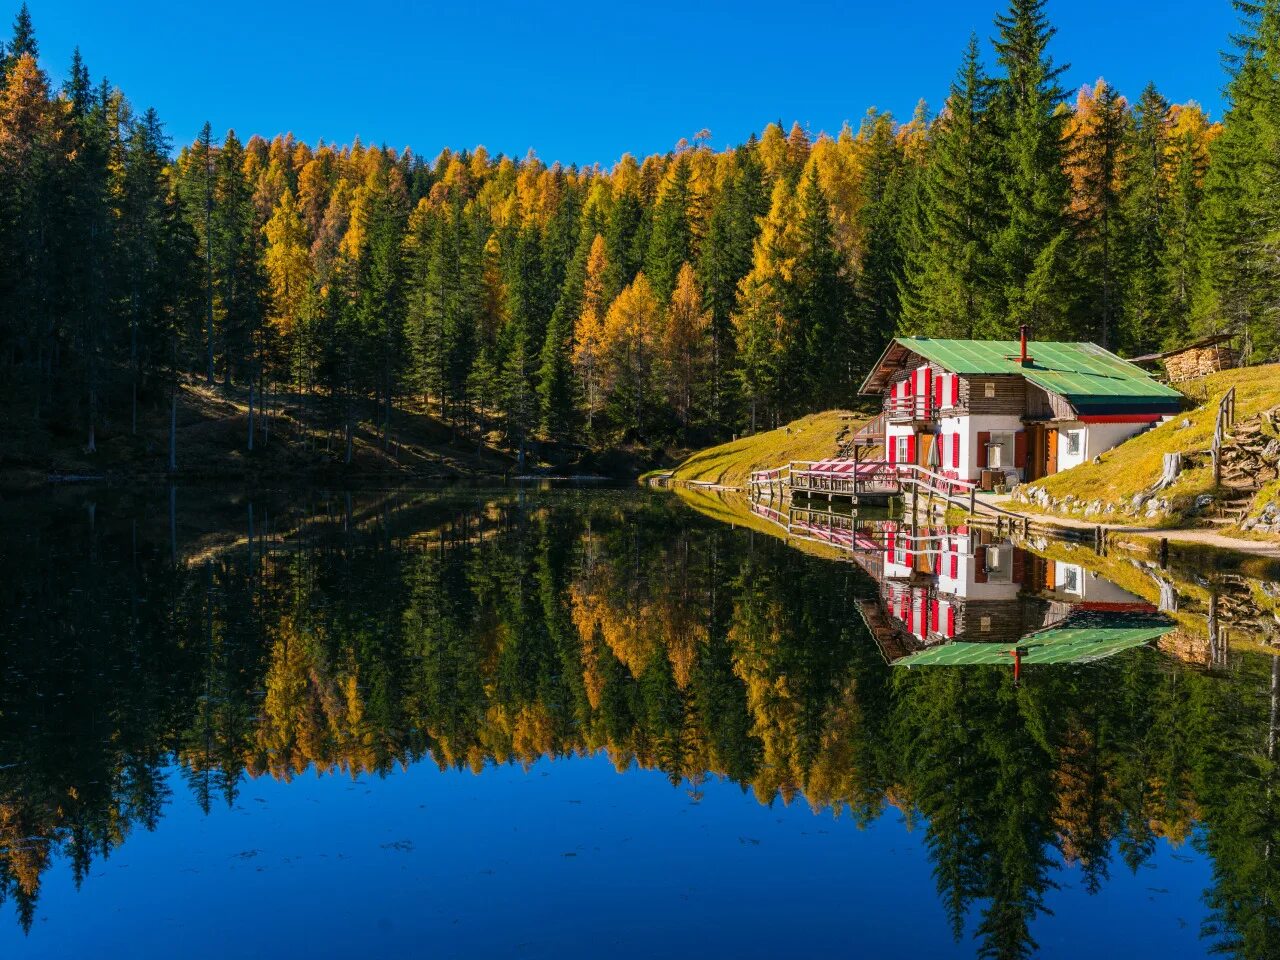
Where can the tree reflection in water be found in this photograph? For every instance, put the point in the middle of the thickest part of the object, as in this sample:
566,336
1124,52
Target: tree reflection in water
359,635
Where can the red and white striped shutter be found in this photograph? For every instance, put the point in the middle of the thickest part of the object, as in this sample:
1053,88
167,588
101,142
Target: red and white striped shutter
955,389
951,620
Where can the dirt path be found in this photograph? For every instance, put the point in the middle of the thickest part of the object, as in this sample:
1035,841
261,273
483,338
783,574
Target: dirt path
1188,536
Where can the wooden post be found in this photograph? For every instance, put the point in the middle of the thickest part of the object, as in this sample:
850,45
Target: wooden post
973,498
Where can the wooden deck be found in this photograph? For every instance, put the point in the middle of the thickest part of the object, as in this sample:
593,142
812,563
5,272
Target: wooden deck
858,481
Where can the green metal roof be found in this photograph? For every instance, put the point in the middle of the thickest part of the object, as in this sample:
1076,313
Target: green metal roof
1085,373
1055,645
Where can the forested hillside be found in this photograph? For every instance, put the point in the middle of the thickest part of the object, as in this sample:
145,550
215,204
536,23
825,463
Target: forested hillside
678,298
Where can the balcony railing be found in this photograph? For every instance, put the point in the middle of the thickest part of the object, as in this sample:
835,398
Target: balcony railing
917,407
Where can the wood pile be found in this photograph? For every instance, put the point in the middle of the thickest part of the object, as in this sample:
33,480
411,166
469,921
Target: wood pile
1198,361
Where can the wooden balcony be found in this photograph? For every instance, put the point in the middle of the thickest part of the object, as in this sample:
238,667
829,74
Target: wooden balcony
914,409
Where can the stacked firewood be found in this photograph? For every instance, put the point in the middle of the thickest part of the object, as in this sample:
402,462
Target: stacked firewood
1199,362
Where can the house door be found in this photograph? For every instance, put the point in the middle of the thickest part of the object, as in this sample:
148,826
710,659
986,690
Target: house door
924,450
1051,452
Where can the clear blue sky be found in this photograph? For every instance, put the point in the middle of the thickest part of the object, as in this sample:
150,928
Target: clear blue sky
583,82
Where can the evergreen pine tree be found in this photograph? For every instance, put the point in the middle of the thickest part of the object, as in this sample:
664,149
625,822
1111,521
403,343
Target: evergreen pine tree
1032,248
1240,280
725,259
1146,319
671,240
948,276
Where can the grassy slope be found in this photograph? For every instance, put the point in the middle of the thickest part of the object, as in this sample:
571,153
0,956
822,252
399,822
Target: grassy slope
1136,464
734,509
809,438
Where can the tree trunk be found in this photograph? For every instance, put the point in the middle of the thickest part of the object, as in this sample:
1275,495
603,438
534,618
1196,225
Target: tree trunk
173,431
92,445
173,523
251,416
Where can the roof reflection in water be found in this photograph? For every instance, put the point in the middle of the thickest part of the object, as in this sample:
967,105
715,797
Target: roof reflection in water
957,596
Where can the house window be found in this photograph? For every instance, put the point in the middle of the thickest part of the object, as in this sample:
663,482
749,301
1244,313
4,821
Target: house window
1000,451
984,624
1071,578
989,389
903,455
999,564
1075,441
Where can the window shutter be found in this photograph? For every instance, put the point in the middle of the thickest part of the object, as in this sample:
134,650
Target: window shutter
891,447
1020,448
937,391
955,450
980,565
955,389
984,437
951,621
955,566
926,380
911,448
934,623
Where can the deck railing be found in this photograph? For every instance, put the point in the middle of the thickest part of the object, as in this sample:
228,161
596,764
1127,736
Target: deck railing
916,407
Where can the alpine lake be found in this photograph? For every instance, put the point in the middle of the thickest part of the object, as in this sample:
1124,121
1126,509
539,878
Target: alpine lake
572,722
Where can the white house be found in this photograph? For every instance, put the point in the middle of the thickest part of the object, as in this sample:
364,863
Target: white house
1007,410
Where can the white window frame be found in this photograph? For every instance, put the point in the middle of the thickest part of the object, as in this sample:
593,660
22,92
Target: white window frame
1075,438
903,448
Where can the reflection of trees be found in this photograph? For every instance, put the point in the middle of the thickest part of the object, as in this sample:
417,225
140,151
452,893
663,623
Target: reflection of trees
473,634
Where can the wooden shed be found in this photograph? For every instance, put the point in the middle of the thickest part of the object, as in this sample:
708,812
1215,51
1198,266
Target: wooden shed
1194,359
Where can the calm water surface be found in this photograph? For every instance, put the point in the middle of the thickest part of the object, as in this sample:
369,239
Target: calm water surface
556,724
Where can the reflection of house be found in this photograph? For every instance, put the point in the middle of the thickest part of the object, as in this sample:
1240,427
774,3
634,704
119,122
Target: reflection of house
1004,409
957,590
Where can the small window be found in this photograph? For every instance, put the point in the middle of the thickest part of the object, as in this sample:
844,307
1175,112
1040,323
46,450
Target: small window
903,456
989,389
984,624
1071,578
1074,438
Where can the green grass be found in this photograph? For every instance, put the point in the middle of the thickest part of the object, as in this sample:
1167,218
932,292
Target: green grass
1136,464
730,464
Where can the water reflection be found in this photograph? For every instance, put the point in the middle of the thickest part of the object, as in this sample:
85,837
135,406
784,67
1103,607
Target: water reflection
359,634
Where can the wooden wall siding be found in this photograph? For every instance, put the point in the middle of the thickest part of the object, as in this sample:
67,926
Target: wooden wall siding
1010,620
1010,394
1043,405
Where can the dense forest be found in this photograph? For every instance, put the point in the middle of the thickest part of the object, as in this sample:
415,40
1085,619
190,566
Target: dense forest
675,298
147,655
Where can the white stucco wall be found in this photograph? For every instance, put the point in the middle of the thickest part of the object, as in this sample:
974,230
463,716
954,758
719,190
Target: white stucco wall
969,428
1101,437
